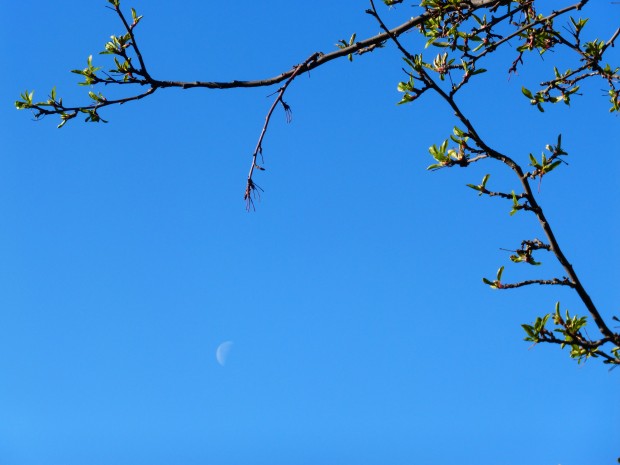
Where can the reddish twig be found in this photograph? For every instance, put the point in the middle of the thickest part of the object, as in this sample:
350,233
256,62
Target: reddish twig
251,186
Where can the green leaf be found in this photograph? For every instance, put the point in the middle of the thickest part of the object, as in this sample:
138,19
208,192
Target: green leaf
403,87
480,187
439,153
406,99
529,330
515,204
64,117
552,166
443,147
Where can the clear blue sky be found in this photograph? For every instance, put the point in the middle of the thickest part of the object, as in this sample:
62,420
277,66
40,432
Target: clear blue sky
362,331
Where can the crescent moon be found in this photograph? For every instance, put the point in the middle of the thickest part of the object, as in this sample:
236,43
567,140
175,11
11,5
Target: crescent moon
221,354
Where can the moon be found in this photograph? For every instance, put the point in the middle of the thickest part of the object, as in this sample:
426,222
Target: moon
221,354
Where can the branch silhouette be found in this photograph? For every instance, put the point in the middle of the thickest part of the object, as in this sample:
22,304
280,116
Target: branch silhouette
467,39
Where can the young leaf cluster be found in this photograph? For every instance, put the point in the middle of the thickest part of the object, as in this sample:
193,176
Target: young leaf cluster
449,157
570,332
343,44
123,73
591,54
547,163
497,282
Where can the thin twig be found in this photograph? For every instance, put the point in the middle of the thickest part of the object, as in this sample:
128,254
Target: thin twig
543,282
134,44
576,6
251,185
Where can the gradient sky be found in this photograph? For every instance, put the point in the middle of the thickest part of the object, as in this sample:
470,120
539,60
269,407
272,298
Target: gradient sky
362,333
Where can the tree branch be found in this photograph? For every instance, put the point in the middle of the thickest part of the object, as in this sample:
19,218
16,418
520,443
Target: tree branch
544,282
251,187
134,43
323,58
516,168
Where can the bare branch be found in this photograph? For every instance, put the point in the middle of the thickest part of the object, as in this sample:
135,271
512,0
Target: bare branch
545,282
251,187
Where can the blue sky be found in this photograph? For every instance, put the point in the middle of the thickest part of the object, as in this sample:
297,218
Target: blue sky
362,331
